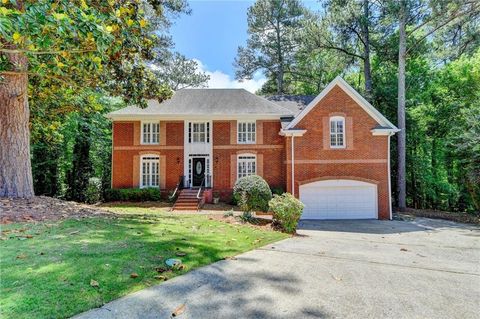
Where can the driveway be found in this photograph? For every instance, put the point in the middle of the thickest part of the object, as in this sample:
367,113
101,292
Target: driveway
335,269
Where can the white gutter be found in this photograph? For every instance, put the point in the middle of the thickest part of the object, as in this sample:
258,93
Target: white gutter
293,165
292,132
389,179
383,131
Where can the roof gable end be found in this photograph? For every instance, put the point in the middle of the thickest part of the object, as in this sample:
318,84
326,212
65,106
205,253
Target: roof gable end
360,100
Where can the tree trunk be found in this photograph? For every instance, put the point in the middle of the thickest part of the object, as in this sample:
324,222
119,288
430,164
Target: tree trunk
401,145
280,71
15,166
367,71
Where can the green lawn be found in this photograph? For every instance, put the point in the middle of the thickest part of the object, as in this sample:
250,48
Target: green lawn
49,274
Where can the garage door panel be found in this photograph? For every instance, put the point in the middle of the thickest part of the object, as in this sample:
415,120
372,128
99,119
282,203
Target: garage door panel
339,199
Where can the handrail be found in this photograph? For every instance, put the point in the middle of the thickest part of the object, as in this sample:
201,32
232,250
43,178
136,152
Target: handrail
200,188
179,185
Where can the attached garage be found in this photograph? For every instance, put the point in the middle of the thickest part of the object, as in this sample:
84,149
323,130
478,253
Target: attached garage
339,199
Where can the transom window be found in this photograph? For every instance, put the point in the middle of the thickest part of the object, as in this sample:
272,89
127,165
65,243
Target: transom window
246,165
150,133
246,132
199,132
150,171
337,132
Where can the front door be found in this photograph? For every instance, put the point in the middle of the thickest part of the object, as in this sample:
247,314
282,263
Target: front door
198,171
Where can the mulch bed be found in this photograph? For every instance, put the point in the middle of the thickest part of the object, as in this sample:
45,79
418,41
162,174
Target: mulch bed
42,208
437,214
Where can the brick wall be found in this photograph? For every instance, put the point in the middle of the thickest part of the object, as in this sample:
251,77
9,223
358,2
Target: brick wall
364,158
268,149
127,152
365,155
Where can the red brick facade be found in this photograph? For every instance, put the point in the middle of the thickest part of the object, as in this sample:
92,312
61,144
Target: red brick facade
364,158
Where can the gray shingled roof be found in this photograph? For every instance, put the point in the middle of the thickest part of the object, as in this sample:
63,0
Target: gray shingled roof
209,102
294,103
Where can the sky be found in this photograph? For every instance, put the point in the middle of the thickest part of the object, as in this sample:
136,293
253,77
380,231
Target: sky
211,35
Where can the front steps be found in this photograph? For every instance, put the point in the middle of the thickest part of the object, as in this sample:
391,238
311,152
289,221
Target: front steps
187,200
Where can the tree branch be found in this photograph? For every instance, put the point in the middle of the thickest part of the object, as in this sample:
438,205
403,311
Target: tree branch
441,25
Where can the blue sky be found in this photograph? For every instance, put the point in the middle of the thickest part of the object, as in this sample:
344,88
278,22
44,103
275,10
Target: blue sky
211,35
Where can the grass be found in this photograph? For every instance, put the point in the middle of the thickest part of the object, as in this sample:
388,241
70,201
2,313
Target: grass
49,274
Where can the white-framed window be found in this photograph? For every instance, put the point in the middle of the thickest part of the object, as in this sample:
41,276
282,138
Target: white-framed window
246,132
337,132
246,165
199,132
150,132
149,171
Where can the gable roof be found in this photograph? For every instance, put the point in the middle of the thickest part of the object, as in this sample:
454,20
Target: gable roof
383,122
207,102
294,103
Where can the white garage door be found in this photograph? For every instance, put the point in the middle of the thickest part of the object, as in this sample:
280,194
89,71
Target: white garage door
339,199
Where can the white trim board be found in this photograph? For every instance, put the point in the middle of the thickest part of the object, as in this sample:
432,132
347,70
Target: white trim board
373,112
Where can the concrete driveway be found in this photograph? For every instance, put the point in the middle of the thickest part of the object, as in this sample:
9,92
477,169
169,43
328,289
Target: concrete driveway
334,269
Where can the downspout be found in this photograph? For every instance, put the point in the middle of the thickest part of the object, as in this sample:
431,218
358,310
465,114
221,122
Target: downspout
389,179
293,165
111,159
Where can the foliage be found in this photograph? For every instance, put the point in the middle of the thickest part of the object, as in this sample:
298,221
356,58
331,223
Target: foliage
272,25
133,194
93,194
247,217
252,193
277,190
177,72
287,211
88,43
441,79
54,289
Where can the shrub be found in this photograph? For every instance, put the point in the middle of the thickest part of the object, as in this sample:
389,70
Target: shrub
286,211
252,193
132,194
93,191
277,191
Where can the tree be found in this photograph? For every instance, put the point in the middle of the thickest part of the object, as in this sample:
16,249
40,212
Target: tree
346,28
70,44
271,46
178,72
427,17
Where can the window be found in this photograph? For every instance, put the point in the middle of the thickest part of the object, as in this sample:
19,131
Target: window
150,133
246,132
337,132
150,171
246,165
199,132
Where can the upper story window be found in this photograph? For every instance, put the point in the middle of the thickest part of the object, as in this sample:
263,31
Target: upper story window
149,171
150,132
199,132
337,132
246,132
246,165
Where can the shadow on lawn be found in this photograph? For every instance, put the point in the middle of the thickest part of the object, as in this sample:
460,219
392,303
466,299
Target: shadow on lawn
53,280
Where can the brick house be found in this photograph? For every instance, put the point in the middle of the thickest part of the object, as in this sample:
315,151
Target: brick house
331,151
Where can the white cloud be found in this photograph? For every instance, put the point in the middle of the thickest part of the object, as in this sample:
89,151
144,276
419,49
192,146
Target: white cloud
220,80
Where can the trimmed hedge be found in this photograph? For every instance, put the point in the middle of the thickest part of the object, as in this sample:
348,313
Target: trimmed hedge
252,193
132,194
